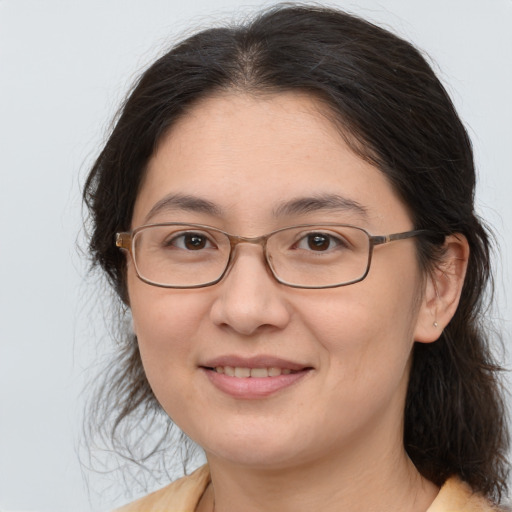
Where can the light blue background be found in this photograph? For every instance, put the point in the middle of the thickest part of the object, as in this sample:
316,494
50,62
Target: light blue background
64,66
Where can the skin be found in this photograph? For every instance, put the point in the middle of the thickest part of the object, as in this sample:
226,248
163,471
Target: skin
333,439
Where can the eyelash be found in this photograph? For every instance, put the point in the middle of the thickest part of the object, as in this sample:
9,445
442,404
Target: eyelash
183,236
338,241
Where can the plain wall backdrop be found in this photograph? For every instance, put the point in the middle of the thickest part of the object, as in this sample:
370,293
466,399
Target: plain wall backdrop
64,67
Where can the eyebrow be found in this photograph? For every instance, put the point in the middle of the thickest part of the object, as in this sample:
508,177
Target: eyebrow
173,202
324,202
298,206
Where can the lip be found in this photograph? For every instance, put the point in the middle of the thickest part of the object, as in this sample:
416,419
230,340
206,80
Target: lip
250,388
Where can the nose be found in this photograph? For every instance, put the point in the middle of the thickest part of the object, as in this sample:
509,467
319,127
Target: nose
249,300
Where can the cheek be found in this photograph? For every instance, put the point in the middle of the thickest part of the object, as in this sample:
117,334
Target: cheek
165,327
162,315
165,322
367,329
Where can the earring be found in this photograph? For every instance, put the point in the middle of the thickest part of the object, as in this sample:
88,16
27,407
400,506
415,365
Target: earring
435,324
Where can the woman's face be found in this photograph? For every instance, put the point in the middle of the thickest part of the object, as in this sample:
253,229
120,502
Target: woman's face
254,159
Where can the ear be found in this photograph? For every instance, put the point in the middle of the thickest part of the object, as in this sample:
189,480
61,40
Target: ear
443,286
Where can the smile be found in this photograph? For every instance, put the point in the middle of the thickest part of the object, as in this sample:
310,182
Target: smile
243,372
253,378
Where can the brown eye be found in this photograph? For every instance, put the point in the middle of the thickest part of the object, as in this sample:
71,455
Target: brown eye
189,241
194,241
318,242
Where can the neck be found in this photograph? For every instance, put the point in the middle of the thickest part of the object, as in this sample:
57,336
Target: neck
362,482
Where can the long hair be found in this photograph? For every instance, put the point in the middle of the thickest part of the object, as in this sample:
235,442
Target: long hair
393,112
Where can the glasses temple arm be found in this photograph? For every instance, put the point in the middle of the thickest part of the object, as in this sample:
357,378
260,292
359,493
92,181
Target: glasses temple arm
384,239
124,240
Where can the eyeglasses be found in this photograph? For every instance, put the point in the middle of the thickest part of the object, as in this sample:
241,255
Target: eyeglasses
179,255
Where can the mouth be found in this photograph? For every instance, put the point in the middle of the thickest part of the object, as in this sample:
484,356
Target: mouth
242,372
253,378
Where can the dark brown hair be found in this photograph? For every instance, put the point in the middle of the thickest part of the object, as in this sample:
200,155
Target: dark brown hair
397,115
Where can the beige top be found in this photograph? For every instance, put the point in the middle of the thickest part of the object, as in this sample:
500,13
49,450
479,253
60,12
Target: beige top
183,496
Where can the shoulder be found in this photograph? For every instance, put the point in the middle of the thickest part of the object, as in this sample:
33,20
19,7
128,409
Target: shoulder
180,496
456,496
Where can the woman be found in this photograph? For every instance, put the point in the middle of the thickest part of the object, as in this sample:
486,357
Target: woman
292,201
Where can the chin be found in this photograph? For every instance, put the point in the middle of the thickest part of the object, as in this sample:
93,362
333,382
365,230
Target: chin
259,448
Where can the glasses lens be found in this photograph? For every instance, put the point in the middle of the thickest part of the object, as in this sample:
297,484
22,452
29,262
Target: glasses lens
320,255
180,256
185,256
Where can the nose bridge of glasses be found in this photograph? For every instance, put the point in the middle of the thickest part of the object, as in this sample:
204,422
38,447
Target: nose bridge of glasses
235,240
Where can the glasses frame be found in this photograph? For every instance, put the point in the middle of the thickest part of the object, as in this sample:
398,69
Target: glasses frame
125,240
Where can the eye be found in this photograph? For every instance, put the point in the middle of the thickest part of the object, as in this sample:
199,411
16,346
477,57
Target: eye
190,241
320,242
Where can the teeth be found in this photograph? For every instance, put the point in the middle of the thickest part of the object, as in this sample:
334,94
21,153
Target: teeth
259,372
241,373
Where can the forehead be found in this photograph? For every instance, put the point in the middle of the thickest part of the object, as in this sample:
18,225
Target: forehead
250,155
